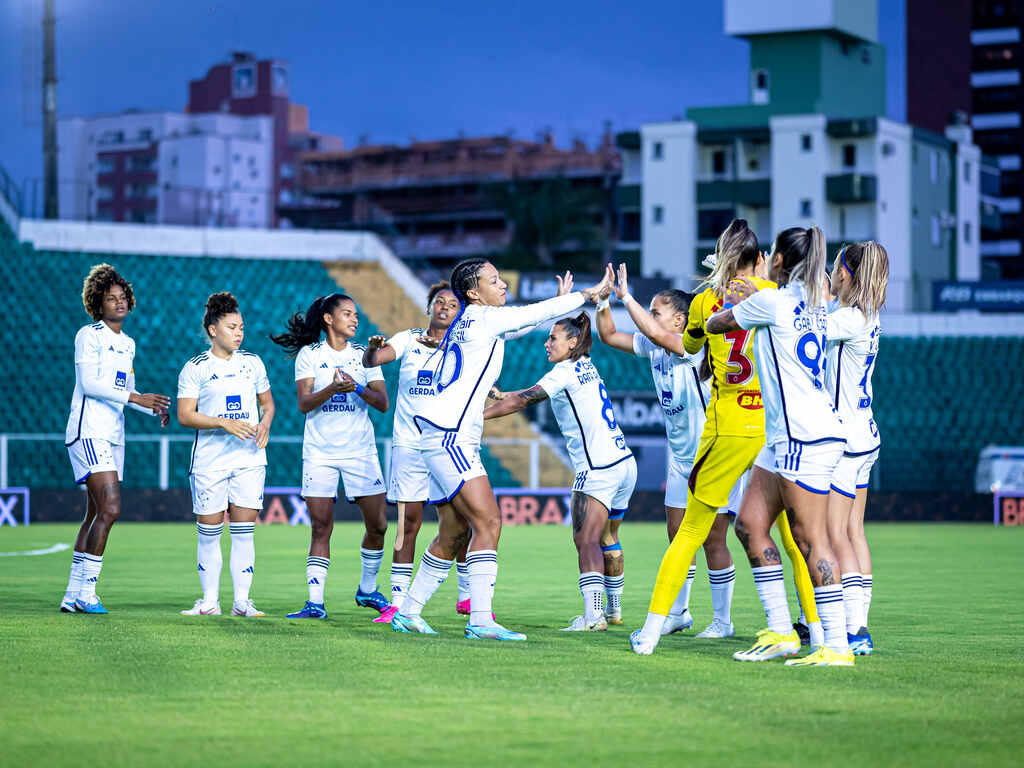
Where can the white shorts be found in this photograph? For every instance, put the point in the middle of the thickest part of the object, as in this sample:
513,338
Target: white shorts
853,472
361,477
213,491
408,477
91,454
809,465
677,485
450,461
613,486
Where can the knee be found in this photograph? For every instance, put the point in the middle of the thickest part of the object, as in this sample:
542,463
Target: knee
322,527
377,526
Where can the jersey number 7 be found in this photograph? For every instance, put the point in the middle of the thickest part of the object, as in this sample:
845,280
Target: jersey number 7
737,342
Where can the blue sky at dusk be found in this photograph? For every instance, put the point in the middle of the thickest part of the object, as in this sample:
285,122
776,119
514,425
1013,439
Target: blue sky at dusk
396,70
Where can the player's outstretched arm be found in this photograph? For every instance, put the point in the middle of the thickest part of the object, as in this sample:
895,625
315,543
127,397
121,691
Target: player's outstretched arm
606,330
378,352
646,324
513,402
722,322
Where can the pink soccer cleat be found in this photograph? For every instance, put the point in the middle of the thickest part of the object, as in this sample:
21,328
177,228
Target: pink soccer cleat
386,615
462,606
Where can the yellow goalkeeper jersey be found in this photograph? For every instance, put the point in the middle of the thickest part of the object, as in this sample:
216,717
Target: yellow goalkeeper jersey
735,407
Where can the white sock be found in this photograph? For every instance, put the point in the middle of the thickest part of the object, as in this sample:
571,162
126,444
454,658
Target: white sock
829,601
853,602
401,575
210,560
817,634
316,577
462,571
653,626
682,603
483,573
722,584
91,567
75,576
771,588
243,558
866,588
431,575
592,589
371,560
613,586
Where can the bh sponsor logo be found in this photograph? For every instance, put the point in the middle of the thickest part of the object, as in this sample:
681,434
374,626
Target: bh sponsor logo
750,399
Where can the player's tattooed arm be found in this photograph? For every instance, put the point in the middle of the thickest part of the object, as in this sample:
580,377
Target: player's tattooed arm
579,511
514,402
722,322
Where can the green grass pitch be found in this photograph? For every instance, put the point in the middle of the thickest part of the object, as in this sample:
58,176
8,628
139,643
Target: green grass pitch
146,686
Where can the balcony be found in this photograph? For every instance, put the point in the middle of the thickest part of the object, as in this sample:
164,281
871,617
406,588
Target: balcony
753,192
851,188
627,196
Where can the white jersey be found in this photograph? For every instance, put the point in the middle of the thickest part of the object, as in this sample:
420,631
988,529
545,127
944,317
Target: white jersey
224,389
340,428
415,385
791,364
683,396
585,415
852,347
464,369
104,377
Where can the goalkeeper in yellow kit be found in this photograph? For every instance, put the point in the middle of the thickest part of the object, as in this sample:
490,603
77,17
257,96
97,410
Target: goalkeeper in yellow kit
733,433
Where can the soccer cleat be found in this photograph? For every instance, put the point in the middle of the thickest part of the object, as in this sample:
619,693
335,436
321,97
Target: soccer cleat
462,607
640,645
94,607
614,617
202,608
770,645
677,622
580,624
717,629
386,615
310,610
67,605
412,624
823,657
373,600
860,643
492,632
246,609
802,631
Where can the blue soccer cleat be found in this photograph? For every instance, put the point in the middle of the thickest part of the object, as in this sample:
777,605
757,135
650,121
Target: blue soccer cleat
492,632
860,643
373,600
310,610
402,623
93,607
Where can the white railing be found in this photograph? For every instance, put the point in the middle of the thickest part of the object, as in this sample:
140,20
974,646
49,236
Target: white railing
164,442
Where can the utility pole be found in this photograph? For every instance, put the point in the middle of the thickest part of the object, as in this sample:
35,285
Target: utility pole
49,112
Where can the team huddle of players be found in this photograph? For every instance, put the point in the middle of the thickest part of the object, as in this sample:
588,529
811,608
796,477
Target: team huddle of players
764,377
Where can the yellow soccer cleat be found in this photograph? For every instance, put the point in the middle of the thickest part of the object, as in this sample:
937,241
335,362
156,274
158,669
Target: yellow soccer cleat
770,645
823,657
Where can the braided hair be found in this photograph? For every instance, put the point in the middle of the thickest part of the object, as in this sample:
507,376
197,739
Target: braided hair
464,278
306,328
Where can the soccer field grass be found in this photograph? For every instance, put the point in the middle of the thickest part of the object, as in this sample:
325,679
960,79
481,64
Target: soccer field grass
145,685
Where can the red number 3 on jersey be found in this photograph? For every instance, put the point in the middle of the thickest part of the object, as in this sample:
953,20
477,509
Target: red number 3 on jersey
737,342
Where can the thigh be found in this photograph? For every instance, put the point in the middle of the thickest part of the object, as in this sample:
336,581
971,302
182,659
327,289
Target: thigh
209,493
361,476
624,491
476,503
807,510
762,501
589,516
720,462
104,491
676,482
319,481
245,487
408,479
91,456
452,466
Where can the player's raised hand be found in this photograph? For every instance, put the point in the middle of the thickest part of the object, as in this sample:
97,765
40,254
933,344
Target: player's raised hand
740,289
376,342
427,341
621,282
594,291
155,403
564,283
343,382
243,430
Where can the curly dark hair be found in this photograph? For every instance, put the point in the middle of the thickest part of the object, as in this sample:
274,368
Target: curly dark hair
100,280
218,305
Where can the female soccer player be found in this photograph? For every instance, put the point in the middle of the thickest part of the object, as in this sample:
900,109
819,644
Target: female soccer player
408,478
859,278
684,398
334,390
219,392
463,371
604,465
804,440
104,384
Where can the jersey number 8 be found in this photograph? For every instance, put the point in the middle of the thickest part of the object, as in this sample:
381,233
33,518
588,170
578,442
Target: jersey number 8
607,412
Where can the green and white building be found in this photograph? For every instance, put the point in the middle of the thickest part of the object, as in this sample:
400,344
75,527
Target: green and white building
813,146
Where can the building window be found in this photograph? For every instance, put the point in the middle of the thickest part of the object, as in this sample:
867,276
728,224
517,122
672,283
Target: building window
105,192
806,209
236,158
933,166
106,165
718,162
805,142
711,222
967,232
967,173
658,214
936,230
915,217
243,81
849,155
287,171
146,134
760,90
657,151
142,163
